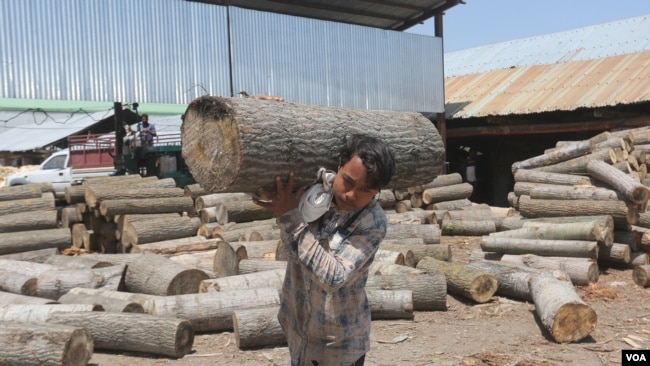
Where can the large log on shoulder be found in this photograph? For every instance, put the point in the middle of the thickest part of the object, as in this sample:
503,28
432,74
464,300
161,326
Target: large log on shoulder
238,144
44,344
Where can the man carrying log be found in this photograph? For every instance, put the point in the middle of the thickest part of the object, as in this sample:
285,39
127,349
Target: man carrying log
331,233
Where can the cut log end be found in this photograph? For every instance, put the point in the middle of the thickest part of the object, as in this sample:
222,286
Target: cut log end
224,159
79,348
641,275
483,287
573,322
184,338
187,282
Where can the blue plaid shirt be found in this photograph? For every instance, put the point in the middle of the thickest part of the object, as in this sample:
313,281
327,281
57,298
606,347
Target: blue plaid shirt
324,311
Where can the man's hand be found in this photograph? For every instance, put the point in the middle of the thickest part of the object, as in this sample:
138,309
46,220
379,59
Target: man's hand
284,200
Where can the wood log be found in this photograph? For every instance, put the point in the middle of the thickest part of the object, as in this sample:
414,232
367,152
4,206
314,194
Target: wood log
273,278
212,199
476,285
142,299
447,193
429,233
556,156
212,311
416,200
401,194
438,251
534,176
24,241
403,206
76,262
262,249
579,165
390,304
83,238
37,256
386,199
639,259
441,181
256,328
178,246
26,221
411,217
54,284
17,283
94,195
150,231
209,230
157,275
617,253
201,260
542,247
451,205
230,144
245,211
146,205
429,289
7,298
641,275
20,192
558,192
107,303
45,202
461,227
581,271
38,313
391,256
586,231
508,223
227,258
622,214
246,266
632,238
380,268
566,317
37,344
512,280
144,333
214,214
634,191
70,215
194,190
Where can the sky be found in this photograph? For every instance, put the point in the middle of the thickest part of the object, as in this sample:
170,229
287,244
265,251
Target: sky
483,22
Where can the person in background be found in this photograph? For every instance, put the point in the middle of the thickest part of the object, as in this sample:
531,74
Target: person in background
324,310
146,130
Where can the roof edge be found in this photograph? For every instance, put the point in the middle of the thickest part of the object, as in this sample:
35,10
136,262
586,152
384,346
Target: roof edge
70,106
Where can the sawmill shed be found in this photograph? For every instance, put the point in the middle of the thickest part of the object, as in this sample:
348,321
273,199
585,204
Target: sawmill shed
512,100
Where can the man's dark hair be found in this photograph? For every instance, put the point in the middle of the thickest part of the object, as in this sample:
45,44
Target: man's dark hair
376,156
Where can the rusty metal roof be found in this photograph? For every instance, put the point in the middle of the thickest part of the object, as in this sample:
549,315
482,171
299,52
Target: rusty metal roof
396,15
564,82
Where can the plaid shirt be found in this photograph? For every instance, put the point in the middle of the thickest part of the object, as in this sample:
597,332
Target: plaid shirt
324,311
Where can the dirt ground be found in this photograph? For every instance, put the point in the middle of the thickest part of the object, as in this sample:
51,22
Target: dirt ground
502,332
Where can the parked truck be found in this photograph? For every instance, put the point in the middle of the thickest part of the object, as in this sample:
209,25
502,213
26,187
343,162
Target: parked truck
96,155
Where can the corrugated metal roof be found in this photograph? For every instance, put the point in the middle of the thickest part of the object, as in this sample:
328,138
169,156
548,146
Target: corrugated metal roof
588,43
566,86
597,66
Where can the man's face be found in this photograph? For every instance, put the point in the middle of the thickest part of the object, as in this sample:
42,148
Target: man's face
350,190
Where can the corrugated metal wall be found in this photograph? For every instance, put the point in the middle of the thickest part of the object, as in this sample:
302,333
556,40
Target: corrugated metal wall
172,51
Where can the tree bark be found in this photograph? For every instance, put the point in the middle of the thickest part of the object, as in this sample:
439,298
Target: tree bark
476,285
8,298
194,190
558,192
149,205
201,260
109,304
70,215
246,266
447,193
150,231
38,313
391,256
390,304
579,165
37,344
214,214
438,251
21,192
273,278
386,199
54,284
560,309
586,231
95,195
36,256
469,227
622,214
581,271
17,283
178,246
142,299
451,205
239,144
617,253
634,191
156,275
245,211
45,202
24,241
227,258
211,200
534,176
26,221
555,248
429,233
379,268
429,289
256,328
556,156
137,332
212,311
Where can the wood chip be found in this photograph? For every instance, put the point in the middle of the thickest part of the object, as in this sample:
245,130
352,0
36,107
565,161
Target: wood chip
631,343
